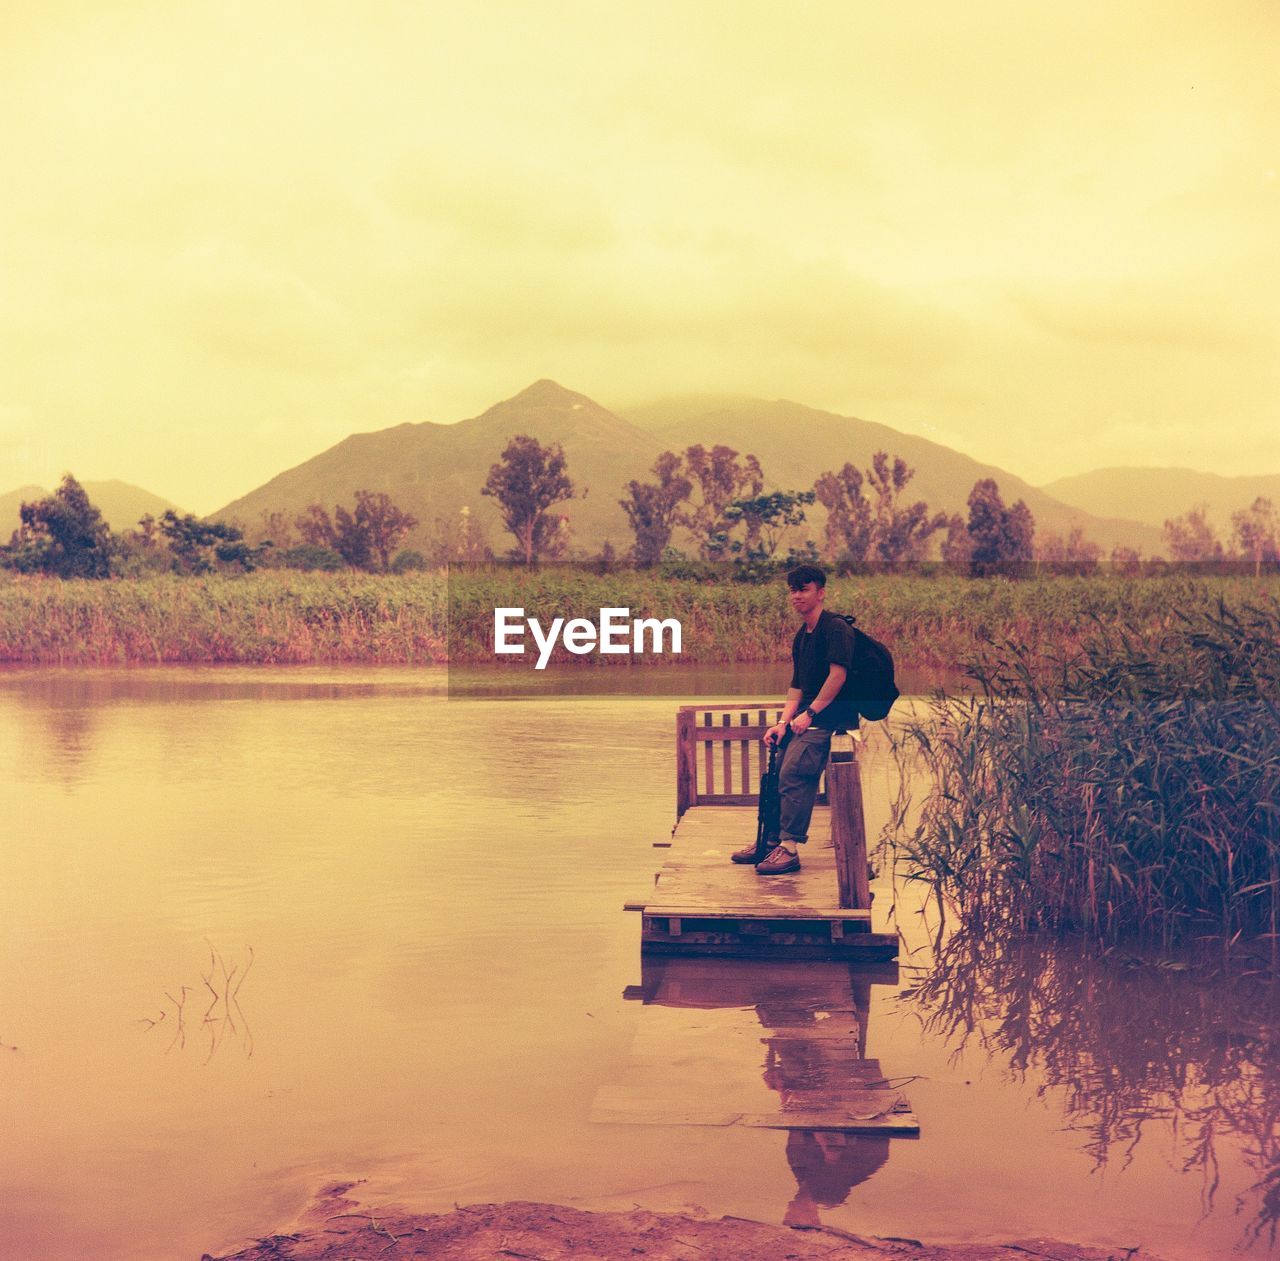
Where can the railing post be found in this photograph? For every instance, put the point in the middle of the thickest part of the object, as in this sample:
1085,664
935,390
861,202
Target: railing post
848,830
686,762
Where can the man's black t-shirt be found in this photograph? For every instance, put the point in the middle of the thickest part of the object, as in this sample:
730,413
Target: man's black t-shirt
813,653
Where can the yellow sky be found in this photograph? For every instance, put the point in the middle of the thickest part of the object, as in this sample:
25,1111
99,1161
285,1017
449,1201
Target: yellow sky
233,233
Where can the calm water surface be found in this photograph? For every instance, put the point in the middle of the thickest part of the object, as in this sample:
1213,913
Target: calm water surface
264,929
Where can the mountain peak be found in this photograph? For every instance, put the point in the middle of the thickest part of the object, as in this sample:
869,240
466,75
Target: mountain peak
546,392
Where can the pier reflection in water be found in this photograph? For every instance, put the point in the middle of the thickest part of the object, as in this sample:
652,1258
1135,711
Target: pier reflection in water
776,1045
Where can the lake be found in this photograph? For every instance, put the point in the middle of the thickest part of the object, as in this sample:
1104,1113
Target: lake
269,928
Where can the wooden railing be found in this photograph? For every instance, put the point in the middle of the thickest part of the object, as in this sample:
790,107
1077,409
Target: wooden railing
719,761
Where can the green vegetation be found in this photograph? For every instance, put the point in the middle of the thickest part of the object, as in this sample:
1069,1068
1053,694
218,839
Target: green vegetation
1127,784
270,618
289,617
528,481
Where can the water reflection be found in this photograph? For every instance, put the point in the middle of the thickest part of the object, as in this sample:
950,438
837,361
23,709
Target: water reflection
1130,1041
798,1029
209,1011
433,896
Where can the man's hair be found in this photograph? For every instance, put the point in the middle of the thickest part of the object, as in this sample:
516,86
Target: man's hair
802,575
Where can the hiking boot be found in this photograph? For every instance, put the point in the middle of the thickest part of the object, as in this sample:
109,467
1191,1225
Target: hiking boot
779,862
747,854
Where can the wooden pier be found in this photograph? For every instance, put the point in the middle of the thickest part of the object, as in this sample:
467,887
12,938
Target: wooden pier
703,904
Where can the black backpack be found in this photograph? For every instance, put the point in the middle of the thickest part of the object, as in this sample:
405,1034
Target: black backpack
874,689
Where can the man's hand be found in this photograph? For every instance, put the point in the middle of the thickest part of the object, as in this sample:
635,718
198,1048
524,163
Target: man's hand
774,734
801,723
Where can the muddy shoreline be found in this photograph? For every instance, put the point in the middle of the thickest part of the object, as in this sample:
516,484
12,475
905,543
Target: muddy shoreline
336,1225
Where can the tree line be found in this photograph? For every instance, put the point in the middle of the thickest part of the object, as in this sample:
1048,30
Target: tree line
717,497
711,500
65,534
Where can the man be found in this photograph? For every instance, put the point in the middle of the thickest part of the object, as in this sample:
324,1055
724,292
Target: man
819,702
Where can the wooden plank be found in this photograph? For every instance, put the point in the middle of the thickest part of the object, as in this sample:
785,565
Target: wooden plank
686,764
742,731
720,798
728,759
722,908
902,1124
848,829
771,707
693,911
862,949
709,783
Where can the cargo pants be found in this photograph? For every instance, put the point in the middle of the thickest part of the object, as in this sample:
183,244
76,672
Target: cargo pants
803,762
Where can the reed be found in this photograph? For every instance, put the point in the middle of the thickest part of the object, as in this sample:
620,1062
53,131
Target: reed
1125,786
267,618
283,617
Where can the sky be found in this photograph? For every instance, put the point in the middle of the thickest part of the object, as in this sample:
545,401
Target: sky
231,233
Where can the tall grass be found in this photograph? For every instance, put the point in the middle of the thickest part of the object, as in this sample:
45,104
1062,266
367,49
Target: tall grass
931,623
1128,785
267,618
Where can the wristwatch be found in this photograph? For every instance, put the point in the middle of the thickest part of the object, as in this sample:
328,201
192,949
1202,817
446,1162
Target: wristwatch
808,709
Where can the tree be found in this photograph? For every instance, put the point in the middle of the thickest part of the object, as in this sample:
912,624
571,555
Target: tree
849,518
876,529
900,535
139,550
384,524
366,538
1073,555
527,482
276,528
340,533
653,508
720,479
1256,533
459,539
199,546
1191,538
1126,561
310,556
1001,537
63,534
957,547
766,519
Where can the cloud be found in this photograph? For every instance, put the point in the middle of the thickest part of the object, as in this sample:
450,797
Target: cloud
228,242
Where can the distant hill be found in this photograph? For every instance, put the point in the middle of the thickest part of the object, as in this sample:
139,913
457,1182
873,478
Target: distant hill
434,470
1155,495
795,443
121,505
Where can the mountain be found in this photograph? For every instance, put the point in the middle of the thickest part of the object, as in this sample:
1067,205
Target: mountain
1155,495
433,470
795,443
121,505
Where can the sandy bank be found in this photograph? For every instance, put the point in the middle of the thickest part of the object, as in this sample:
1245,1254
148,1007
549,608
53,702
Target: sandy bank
337,1226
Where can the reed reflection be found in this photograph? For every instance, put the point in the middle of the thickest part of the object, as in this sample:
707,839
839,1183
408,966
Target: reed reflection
1130,1041
210,1012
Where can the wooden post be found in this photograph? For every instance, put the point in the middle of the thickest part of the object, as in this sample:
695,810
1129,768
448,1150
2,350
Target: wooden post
686,765
848,831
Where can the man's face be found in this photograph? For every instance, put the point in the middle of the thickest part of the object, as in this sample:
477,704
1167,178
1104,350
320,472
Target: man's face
807,598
